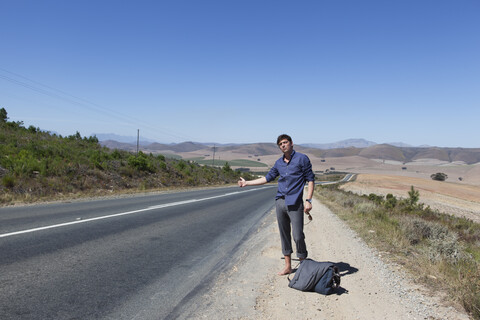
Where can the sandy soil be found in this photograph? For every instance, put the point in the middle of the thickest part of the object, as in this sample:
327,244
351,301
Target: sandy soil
371,287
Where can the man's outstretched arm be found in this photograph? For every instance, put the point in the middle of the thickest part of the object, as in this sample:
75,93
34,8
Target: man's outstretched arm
243,183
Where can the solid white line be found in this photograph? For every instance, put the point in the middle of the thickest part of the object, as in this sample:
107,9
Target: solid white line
123,213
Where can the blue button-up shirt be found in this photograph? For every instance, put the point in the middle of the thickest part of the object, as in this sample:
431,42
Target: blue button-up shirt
293,176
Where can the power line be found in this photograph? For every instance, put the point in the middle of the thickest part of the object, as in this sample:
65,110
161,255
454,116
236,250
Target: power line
84,103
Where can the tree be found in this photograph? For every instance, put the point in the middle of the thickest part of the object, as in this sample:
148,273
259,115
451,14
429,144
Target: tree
414,196
227,168
3,115
439,176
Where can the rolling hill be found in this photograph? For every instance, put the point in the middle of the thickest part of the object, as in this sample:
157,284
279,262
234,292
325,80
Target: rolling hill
377,151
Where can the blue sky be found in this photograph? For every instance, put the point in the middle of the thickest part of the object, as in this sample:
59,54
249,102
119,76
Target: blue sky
245,71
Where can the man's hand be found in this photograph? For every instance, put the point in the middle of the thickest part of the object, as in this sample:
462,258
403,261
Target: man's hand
242,183
307,207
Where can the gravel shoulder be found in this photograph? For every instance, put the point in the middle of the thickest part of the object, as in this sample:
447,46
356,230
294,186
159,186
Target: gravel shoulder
371,288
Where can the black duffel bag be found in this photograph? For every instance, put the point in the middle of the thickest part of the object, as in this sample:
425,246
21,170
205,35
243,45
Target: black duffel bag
321,277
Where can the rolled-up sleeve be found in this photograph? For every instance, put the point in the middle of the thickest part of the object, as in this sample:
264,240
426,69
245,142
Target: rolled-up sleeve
307,170
272,174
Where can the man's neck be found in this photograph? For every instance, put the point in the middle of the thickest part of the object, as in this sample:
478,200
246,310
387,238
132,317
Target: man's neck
287,156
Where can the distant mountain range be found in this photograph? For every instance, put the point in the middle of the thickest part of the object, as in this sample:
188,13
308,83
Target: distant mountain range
123,139
351,147
404,154
357,143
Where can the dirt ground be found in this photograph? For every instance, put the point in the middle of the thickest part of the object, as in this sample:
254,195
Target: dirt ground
371,287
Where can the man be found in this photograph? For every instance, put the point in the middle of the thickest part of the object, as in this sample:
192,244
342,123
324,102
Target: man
295,170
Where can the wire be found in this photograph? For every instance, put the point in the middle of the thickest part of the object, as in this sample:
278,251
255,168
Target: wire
84,103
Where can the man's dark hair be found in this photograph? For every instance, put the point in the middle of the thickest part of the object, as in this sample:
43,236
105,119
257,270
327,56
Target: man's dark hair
283,137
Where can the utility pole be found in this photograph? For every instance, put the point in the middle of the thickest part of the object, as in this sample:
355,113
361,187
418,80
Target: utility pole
138,139
213,155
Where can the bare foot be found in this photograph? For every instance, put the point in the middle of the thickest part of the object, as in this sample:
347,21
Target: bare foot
285,271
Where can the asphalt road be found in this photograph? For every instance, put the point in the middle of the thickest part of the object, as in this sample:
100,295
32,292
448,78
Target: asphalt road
127,258
347,178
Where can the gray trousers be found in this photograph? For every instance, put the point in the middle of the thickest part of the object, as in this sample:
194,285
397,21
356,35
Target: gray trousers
290,218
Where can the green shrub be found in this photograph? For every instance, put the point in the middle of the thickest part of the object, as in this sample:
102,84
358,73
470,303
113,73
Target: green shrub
25,163
181,164
162,165
390,201
141,162
117,154
8,182
375,198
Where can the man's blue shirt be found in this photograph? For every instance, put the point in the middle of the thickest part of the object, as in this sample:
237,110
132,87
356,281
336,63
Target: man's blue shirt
293,176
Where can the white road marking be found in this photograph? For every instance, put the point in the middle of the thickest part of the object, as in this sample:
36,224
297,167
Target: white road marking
123,213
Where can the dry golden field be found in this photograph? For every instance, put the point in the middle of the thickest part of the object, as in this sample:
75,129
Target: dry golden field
448,197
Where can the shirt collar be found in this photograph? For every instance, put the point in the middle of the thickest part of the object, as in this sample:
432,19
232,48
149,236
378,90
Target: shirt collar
291,156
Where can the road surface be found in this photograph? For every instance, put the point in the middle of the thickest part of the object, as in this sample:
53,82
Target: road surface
126,258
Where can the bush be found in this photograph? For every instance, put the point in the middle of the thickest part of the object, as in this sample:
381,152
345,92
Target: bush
390,201
375,198
415,229
8,182
440,243
141,162
350,203
446,247
163,165
439,176
364,207
181,165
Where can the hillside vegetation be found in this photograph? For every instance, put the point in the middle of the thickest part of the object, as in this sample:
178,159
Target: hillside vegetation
36,165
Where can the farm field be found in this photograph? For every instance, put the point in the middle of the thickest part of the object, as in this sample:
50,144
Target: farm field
232,163
447,197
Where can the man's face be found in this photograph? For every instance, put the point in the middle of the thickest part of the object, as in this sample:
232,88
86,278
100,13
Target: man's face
285,145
